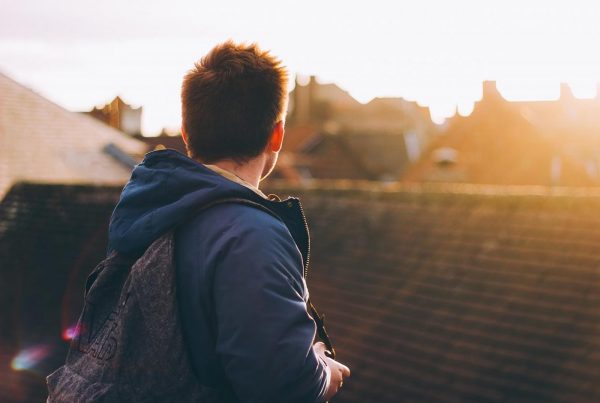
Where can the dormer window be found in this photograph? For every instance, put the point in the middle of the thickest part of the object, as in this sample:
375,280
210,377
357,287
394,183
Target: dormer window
445,156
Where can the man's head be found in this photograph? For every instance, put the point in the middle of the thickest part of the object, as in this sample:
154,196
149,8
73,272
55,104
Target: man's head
234,102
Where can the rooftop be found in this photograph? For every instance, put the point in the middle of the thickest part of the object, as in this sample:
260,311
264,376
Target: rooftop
460,293
445,293
42,142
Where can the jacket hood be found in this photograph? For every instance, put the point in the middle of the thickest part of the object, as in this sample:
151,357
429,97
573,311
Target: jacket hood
165,190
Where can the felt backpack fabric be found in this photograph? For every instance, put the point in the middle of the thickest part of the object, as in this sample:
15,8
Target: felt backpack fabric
129,345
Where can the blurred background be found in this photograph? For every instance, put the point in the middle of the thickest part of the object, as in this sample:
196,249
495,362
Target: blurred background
447,155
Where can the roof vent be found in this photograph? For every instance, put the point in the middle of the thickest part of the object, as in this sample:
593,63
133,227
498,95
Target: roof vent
118,154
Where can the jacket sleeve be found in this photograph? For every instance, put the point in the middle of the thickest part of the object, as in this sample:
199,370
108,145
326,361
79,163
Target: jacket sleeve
264,332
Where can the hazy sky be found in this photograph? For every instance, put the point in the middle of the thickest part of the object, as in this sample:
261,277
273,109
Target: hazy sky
81,53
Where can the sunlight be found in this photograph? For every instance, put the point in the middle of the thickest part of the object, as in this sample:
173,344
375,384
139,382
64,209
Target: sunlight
527,47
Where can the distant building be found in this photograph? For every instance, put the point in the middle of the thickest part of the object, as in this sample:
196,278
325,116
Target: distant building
545,143
43,142
330,135
327,107
120,115
570,124
166,139
372,156
316,103
127,119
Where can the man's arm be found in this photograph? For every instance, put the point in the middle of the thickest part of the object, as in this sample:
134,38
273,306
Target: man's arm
264,333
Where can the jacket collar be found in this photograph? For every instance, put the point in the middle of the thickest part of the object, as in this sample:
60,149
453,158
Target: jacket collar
234,178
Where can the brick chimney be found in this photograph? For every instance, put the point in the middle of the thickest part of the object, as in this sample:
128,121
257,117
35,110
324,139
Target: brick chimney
490,91
304,100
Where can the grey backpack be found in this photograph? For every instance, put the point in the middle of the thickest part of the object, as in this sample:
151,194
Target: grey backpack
129,345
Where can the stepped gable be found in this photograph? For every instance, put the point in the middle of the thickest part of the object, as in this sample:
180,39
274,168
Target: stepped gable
459,294
51,236
43,142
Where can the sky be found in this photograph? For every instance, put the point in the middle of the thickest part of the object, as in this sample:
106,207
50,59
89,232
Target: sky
82,53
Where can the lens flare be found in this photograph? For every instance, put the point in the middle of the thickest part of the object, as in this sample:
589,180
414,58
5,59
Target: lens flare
70,333
29,358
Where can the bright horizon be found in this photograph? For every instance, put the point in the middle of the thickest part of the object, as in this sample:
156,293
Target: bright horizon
83,53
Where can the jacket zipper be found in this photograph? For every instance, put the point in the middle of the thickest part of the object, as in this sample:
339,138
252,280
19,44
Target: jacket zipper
307,239
319,319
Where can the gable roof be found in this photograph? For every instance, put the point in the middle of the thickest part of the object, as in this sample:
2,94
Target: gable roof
297,136
41,141
459,293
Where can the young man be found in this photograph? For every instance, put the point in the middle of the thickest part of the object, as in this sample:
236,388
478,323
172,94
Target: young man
240,267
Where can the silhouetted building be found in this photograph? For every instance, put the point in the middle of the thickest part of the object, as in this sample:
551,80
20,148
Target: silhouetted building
330,135
166,139
120,115
507,143
362,156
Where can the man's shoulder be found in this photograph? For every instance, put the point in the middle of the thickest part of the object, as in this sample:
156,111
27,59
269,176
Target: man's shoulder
241,230
245,213
237,217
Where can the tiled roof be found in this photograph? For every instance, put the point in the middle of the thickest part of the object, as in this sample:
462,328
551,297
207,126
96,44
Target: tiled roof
51,236
329,157
40,141
365,155
451,294
468,294
296,136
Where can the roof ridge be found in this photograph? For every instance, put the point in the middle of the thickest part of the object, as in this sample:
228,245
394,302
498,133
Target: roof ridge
74,114
366,186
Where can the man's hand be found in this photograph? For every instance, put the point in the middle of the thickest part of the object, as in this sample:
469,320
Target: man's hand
337,370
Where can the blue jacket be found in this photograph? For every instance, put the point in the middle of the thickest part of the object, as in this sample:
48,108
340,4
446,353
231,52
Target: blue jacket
240,276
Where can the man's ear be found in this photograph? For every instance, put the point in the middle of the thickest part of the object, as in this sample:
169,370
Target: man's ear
184,136
276,141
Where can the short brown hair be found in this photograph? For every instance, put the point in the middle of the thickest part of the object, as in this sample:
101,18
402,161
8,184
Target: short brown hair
231,101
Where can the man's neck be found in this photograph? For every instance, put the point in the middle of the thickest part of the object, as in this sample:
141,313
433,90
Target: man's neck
250,172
